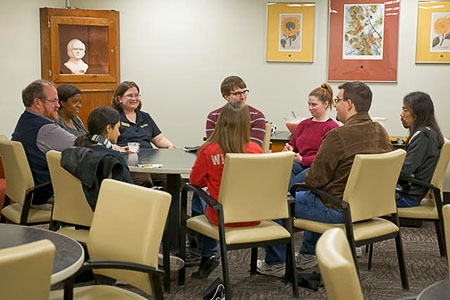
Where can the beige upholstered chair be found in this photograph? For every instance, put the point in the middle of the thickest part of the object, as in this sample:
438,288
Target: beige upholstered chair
70,207
368,196
25,271
446,215
266,142
125,236
253,188
337,267
430,209
19,186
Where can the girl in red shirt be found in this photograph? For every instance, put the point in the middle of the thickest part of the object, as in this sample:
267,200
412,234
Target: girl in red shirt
231,135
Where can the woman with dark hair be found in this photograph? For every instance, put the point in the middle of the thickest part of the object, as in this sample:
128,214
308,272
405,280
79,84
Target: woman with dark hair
422,148
69,106
308,135
136,125
231,135
103,131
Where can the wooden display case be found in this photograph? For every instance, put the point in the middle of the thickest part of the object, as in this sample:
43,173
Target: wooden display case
98,32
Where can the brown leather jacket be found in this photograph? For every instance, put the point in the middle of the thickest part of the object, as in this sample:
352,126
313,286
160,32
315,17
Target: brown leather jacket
331,168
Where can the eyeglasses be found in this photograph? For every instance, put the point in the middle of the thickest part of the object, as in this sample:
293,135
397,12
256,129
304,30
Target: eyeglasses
245,92
52,101
337,99
131,96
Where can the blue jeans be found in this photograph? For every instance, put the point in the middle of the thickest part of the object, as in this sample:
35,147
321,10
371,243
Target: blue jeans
276,254
205,244
309,206
405,201
298,174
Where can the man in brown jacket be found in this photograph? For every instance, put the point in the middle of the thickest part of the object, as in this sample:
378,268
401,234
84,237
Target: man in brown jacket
331,168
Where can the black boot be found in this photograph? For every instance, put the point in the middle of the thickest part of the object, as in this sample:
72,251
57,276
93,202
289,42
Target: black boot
207,265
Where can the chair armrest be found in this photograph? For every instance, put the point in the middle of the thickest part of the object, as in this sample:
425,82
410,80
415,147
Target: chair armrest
110,264
38,187
113,264
419,182
204,195
321,193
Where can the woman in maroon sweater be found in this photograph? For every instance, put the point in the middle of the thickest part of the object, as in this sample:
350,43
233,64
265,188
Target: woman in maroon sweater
309,133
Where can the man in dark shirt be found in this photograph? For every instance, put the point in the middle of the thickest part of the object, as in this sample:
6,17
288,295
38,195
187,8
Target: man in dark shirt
330,170
37,131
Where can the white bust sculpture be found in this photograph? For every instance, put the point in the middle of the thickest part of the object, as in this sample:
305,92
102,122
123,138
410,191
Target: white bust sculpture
76,50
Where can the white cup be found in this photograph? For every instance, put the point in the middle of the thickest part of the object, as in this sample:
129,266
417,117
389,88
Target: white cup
133,147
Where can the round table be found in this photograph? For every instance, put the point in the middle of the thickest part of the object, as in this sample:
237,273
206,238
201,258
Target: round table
69,254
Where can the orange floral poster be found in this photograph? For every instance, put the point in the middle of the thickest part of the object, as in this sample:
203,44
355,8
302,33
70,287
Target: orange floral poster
290,32
363,40
433,32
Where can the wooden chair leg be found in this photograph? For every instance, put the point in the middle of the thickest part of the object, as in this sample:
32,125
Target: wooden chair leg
440,238
225,272
401,262
291,266
369,263
253,260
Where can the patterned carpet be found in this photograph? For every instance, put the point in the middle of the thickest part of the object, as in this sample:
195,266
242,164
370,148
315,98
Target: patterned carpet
424,265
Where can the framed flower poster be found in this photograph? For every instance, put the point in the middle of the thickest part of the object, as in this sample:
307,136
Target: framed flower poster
363,40
290,32
433,32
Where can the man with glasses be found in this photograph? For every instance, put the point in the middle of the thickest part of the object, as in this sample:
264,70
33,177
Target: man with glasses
233,88
38,132
331,168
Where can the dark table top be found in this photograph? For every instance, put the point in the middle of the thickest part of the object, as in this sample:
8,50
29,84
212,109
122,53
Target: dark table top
69,254
437,291
173,161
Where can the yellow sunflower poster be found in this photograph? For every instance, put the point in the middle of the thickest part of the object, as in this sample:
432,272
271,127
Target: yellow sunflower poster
433,32
290,32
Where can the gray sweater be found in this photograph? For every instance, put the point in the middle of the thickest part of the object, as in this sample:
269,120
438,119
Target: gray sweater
422,154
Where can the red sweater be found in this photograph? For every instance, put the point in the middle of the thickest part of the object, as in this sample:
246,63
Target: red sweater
308,137
207,172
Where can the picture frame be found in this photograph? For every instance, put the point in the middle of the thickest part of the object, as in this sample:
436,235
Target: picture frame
433,32
290,32
363,40
96,31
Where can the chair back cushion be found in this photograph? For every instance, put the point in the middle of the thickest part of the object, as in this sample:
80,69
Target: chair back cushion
446,215
337,266
70,204
370,188
254,186
17,170
128,225
266,142
441,166
25,271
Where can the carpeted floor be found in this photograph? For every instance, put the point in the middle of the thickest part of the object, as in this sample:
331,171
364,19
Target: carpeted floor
424,266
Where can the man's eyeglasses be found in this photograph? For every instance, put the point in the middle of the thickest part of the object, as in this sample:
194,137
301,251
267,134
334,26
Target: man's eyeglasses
337,99
131,96
52,101
240,93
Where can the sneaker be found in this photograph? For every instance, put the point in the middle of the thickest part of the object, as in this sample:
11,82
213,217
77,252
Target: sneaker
207,265
359,251
176,263
276,270
306,261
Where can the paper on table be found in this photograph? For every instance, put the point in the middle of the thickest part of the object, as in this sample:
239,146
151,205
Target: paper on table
151,166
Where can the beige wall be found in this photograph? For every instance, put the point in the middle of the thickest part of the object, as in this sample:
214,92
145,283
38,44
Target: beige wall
179,52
